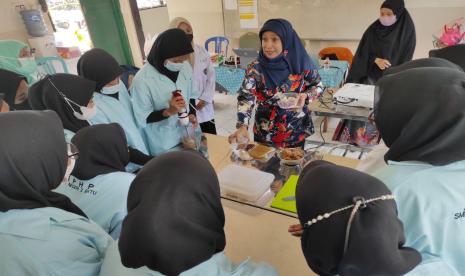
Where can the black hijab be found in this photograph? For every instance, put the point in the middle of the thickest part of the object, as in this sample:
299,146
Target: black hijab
9,83
421,63
455,54
33,160
421,116
44,95
376,237
171,43
99,66
175,218
395,43
102,149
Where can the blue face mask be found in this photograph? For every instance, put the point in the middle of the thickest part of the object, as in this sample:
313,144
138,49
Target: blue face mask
174,67
110,90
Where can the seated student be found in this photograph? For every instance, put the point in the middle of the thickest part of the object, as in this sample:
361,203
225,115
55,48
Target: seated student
426,157
70,97
455,54
99,184
114,104
4,107
15,56
175,229
154,90
350,226
41,232
375,159
15,88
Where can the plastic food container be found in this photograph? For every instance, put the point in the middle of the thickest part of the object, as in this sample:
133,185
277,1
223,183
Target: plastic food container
288,100
244,183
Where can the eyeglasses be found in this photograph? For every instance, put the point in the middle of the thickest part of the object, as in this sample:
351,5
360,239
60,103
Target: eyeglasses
73,151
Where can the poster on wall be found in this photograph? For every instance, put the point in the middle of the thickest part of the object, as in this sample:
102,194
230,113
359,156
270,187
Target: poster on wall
248,14
230,4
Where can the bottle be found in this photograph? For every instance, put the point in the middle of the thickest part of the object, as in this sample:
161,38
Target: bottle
326,63
183,116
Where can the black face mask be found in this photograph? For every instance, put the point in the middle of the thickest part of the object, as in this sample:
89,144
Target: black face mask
22,106
191,37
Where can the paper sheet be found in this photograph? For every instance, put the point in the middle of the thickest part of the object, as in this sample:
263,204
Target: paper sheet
248,14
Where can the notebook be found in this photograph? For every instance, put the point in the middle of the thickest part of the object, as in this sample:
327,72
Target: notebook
288,190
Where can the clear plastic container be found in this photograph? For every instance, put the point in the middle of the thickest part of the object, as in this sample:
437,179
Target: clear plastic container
244,183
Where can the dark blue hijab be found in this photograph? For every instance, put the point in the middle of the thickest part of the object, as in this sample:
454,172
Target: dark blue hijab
293,60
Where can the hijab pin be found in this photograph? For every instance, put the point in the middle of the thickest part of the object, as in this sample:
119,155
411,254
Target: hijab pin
361,199
285,52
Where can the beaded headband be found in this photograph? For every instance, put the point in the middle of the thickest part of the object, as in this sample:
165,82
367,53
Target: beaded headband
359,203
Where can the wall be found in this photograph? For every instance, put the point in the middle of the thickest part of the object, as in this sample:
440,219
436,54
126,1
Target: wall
154,21
12,26
326,22
206,16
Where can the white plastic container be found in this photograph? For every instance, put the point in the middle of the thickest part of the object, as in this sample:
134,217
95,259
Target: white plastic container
244,183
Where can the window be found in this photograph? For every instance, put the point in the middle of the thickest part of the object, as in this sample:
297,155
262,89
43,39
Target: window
148,4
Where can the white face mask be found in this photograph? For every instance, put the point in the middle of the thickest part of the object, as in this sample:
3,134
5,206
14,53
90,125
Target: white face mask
69,169
174,67
110,90
87,113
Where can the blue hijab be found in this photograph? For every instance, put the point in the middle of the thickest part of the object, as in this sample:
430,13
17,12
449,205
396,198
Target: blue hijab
293,60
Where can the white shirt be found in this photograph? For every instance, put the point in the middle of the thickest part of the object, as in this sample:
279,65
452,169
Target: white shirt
204,81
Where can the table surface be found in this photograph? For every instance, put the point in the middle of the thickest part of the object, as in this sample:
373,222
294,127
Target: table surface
324,106
220,157
261,233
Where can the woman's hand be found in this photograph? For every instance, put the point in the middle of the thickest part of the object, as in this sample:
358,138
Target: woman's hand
176,103
296,230
239,136
200,104
300,102
383,64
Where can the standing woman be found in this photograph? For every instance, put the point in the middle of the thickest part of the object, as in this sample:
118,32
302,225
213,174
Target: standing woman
114,104
42,232
204,79
155,104
389,41
70,97
426,157
282,66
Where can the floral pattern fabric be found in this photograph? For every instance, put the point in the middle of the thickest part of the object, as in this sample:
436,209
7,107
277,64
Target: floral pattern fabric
275,126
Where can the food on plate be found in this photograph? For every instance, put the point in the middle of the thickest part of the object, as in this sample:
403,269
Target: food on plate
260,151
292,154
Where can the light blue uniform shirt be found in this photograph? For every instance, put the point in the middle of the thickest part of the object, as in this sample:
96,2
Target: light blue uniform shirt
102,198
50,241
152,91
111,110
217,265
431,203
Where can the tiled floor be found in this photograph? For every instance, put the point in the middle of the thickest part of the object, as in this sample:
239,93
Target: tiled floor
225,118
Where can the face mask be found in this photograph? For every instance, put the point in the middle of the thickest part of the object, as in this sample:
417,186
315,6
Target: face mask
388,20
69,170
87,113
28,64
174,67
110,90
191,37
